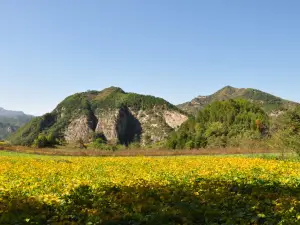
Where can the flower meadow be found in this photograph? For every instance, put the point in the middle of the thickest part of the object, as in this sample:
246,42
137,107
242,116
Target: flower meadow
148,190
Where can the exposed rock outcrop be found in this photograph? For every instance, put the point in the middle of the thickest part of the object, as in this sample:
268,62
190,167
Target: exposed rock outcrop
107,122
119,126
79,129
121,117
125,126
174,119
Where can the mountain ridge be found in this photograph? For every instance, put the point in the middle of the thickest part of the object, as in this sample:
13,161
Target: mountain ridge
270,103
11,120
120,116
11,113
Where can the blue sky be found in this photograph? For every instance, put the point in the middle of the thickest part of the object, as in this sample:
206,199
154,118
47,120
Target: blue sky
168,48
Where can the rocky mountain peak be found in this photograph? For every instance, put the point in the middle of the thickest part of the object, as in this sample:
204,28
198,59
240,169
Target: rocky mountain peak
121,117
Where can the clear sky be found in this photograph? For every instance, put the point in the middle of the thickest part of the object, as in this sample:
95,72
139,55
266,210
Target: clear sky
168,48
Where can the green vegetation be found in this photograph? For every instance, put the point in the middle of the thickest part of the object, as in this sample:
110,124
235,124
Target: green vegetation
43,141
148,190
286,131
226,119
268,102
110,98
9,124
31,131
119,99
242,124
90,104
222,124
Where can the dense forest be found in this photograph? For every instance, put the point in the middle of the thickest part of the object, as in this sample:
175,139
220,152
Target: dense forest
222,124
238,123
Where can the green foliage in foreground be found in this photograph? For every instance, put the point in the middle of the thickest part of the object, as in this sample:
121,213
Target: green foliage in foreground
222,124
141,190
219,203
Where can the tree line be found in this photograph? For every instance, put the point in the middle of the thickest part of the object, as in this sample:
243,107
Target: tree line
238,123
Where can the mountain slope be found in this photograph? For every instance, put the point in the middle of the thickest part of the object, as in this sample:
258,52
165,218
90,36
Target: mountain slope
10,113
10,121
270,103
229,123
122,118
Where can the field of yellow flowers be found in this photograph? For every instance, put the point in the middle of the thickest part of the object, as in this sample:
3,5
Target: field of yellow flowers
148,190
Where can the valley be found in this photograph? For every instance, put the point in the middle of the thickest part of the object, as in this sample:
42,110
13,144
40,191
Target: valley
10,121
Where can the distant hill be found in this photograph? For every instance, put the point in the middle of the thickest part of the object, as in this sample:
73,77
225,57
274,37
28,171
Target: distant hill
269,103
10,121
10,113
121,117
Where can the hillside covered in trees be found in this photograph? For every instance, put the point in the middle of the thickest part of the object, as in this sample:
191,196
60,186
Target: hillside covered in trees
239,123
269,103
112,114
222,124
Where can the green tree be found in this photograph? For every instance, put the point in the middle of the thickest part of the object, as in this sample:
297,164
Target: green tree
286,132
40,142
215,129
190,144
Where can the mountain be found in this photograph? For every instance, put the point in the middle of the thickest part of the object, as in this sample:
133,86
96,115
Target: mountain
10,113
121,117
270,103
10,121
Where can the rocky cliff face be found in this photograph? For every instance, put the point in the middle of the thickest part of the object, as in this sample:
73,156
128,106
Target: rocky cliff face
155,125
119,126
121,117
78,129
126,125
174,119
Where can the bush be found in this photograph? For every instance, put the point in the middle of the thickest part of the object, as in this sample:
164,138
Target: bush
99,137
101,145
190,144
216,142
134,145
286,132
43,141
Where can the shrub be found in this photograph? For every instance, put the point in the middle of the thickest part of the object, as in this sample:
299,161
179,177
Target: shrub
43,141
286,132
